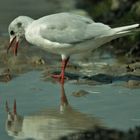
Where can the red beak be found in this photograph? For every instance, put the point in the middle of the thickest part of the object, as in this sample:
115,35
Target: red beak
15,47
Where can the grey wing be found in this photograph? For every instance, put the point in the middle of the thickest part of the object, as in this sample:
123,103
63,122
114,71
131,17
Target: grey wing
71,29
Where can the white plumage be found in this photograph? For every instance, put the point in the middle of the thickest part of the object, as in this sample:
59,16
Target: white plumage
65,34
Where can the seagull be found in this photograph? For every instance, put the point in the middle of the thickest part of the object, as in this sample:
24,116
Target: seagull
64,34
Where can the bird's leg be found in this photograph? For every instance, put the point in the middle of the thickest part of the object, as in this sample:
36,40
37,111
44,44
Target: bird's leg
64,64
63,67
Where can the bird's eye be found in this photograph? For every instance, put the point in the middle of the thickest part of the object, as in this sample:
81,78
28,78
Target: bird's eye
12,32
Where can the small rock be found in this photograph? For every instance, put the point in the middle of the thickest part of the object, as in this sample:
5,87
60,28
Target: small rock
5,76
80,93
38,60
129,69
134,68
133,84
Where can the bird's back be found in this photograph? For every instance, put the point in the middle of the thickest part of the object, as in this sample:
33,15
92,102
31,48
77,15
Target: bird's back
69,28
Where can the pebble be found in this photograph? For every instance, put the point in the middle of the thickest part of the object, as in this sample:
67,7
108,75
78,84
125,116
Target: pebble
80,93
5,76
133,84
38,60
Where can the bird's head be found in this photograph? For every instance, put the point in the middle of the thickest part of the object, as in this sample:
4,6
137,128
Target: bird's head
17,31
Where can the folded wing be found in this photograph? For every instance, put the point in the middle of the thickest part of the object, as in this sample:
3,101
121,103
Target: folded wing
70,28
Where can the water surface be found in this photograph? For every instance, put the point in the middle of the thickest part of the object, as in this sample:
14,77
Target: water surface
48,110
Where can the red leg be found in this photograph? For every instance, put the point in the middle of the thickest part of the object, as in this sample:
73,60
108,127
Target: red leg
61,76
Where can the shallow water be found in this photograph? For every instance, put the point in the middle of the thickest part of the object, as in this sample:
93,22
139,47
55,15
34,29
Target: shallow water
49,110
46,110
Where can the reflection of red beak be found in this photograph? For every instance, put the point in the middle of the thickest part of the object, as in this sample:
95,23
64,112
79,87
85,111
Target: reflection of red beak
15,47
13,114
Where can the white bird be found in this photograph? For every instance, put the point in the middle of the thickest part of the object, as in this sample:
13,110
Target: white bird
64,34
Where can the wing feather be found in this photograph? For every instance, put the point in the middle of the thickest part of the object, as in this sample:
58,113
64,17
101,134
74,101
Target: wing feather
70,28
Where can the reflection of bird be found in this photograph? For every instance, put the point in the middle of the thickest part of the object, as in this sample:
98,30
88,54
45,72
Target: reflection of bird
64,34
100,133
48,124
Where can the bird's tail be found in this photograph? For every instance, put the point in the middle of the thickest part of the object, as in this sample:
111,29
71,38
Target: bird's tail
120,32
123,31
127,29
